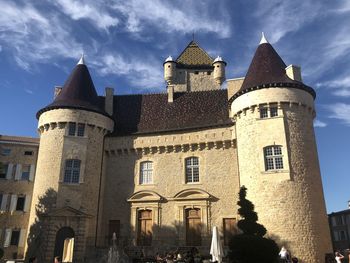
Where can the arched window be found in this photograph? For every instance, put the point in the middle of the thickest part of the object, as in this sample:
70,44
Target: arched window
192,170
146,172
273,157
72,171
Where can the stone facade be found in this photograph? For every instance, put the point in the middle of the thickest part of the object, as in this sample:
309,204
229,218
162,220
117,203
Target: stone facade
18,155
166,189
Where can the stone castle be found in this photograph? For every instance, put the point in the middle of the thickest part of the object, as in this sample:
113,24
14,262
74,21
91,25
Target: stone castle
161,170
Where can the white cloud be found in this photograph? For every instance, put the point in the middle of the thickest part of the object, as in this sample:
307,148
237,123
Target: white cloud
340,111
183,17
29,91
89,10
340,86
320,124
32,37
140,74
281,17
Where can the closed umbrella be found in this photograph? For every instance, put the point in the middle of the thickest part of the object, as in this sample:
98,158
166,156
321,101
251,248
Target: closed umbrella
216,250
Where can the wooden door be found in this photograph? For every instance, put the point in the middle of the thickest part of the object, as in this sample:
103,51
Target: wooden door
144,235
230,229
193,227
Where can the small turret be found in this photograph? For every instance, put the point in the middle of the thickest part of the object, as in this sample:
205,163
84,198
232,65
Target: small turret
169,70
219,70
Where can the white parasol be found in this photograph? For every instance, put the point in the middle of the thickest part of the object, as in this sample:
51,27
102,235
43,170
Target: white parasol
216,250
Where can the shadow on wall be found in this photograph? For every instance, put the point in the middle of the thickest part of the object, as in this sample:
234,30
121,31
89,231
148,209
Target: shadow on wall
36,238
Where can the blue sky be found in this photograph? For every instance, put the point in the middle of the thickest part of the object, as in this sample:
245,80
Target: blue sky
126,42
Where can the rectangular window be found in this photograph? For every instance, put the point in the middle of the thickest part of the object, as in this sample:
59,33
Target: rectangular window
3,171
25,172
72,171
20,203
146,171
273,112
339,220
230,229
15,237
28,153
263,113
192,170
81,129
5,152
273,158
71,128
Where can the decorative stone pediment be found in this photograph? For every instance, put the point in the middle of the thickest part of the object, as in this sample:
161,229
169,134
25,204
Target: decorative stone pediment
67,211
192,194
145,196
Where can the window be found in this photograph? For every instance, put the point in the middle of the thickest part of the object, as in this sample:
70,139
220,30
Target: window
72,171
339,235
81,129
25,172
264,112
3,171
20,203
273,158
339,220
229,229
113,227
192,170
28,153
273,112
146,170
6,152
15,237
71,128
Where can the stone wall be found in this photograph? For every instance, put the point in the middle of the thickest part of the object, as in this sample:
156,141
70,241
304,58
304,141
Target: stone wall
289,201
169,195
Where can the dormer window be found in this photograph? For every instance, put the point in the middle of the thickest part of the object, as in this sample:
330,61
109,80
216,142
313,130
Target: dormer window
76,129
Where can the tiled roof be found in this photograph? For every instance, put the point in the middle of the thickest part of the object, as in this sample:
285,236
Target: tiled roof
18,139
77,93
193,55
267,69
151,113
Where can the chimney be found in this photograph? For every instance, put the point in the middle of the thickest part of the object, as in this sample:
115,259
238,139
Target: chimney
170,93
109,100
294,72
57,91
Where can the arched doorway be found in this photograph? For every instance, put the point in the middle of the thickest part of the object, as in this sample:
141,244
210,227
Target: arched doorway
193,227
64,244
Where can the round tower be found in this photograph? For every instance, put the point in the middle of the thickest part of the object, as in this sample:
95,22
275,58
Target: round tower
219,70
169,70
278,160
72,130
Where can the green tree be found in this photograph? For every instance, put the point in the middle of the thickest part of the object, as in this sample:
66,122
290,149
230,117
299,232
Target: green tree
251,246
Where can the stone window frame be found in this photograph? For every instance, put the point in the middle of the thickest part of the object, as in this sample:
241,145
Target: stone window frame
192,166
145,200
275,157
268,111
76,129
141,172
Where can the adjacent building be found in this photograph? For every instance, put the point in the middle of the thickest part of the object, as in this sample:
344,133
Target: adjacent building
18,156
339,223
160,170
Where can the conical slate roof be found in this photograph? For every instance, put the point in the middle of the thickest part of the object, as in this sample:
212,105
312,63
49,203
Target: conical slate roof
77,93
267,69
194,56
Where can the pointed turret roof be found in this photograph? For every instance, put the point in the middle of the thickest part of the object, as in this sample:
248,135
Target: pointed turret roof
194,56
267,69
77,93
